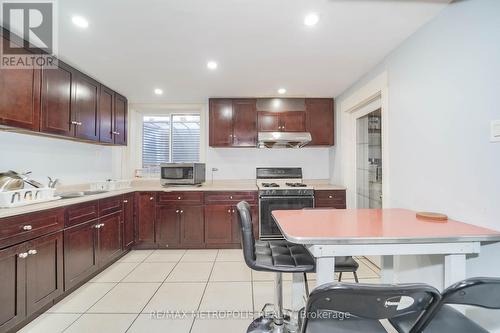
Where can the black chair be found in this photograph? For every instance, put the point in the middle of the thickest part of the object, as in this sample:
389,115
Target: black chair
272,256
479,292
345,265
355,308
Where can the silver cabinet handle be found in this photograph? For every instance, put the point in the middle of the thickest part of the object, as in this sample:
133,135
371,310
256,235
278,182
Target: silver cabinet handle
116,133
230,197
151,198
177,211
27,227
229,210
77,123
23,255
125,201
179,198
330,197
32,252
102,225
182,211
232,211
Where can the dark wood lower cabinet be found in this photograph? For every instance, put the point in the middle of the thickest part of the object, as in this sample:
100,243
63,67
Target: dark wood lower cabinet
44,271
109,238
80,253
218,225
12,287
128,221
145,219
167,226
191,227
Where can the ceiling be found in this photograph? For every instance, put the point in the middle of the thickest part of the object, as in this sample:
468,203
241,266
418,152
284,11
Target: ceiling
260,45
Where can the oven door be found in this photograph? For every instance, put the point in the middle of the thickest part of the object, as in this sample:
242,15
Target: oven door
177,174
268,228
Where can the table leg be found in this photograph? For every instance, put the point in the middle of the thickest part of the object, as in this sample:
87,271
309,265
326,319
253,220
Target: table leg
454,269
387,269
325,270
298,291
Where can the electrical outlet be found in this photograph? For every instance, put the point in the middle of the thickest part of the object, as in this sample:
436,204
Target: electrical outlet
495,131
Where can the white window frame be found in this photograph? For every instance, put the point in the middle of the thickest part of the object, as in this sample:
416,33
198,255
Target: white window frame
139,111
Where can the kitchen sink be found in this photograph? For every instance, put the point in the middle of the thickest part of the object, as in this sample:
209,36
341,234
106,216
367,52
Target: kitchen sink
69,195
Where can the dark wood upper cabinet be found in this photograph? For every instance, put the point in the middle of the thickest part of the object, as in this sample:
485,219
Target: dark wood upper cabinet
20,98
290,121
120,120
106,114
128,221
320,121
86,107
269,121
12,287
44,271
56,100
244,123
221,123
145,219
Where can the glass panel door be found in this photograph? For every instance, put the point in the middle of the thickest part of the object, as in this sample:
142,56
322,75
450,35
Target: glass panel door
369,160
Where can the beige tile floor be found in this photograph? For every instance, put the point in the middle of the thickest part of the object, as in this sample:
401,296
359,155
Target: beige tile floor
123,297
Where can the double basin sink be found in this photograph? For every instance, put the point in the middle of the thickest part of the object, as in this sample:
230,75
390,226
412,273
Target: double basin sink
69,195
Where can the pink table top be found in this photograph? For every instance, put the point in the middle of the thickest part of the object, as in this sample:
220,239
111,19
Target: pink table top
368,226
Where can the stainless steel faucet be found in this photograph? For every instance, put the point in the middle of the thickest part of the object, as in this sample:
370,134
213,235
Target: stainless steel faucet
53,182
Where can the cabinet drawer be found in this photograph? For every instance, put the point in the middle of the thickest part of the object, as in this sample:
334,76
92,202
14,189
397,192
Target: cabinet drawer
20,228
181,197
333,199
81,213
110,205
230,197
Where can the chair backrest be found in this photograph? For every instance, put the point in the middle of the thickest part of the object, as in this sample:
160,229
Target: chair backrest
247,237
369,301
481,291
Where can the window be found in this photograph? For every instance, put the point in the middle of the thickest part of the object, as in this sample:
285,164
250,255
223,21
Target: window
173,138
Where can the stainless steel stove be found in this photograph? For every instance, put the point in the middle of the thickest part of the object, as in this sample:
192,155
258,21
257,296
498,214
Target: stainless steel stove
280,188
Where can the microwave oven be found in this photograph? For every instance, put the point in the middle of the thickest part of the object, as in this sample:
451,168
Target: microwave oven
182,173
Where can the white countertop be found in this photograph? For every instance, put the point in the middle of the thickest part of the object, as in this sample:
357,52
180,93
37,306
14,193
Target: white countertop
152,185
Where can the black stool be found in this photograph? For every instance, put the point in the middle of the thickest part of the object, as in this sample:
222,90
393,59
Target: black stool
479,292
356,308
272,256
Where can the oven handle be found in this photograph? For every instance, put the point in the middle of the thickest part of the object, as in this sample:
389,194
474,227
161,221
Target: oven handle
287,197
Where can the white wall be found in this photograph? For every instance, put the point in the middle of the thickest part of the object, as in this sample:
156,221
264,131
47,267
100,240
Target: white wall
444,84
240,163
71,162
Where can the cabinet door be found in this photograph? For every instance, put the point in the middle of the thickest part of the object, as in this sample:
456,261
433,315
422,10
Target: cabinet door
12,287
191,227
20,97
218,224
269,121
110,240
221,123
293,121
87,108
167,221
57,96
80,253
320,121
120,121
236,228
44,271
128,221
244,123
106,109
145,219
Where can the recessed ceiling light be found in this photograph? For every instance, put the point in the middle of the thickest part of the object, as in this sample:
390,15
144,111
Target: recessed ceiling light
281,91
212,65
311,19
158,91
80,21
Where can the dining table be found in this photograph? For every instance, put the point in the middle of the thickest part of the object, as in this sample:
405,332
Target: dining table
386,232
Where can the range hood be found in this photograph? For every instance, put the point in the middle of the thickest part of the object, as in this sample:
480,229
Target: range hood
283,139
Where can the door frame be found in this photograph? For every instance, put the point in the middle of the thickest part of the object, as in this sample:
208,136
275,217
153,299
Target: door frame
372,94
